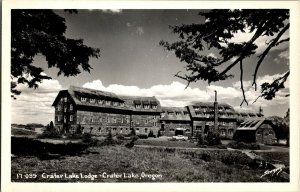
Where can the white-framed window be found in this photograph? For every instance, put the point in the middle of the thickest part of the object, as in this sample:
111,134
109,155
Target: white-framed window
122,104
82,98
154,106
137,106
185,113
71,107
65,108
107,102
65,119
71,117
92,100
100,101
146,106
115,103
178,113
65,99
196,108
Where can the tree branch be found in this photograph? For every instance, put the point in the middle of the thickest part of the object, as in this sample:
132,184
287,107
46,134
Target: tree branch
263,55
242,85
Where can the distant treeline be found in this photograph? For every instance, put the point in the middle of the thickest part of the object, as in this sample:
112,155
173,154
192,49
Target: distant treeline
28,126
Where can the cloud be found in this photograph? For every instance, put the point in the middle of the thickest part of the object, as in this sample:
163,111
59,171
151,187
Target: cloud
34,105
176,93
261,42
113,11
140,30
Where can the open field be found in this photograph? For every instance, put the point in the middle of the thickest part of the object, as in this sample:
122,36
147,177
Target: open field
120,164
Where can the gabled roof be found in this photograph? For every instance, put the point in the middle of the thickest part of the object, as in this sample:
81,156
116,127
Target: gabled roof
131,101
204,109
251,124
128,101
175,114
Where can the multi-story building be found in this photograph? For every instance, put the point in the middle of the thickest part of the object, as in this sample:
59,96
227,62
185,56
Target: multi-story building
98,112
202,117
175,121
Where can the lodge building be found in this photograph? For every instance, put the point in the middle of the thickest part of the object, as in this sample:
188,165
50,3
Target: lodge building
99,112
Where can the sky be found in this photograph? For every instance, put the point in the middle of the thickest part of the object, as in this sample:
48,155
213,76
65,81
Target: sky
133,63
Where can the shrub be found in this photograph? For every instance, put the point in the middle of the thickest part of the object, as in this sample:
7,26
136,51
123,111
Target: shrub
143,136
50,132
242,145
211,139
151,134
120,137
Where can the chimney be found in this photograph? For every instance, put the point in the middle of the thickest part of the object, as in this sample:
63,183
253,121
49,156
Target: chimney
216,114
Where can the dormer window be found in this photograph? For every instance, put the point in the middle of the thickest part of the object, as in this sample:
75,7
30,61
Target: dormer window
137,106
83,99
92,100
100,101
186,113
178,113
196,108
146,106
154,106
107,102
122,104
115,103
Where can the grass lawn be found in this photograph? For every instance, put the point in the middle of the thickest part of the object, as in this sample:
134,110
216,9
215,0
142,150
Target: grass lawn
120,164
156,142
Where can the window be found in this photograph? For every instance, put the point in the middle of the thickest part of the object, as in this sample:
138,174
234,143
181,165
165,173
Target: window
58,118
122,104
146,121
92,100
154,124
185,113
137,129
99,129
187,130
71,117
115,103
197,113
196,108
107,102
71,107
154,106
230,131
83,99
137,106
65,119
58,108
146,106
65,99
178,113
171,129
100,102
146,130
170,113
65,109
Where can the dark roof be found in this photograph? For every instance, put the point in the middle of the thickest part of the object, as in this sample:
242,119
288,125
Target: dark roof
131,101
199,109
251,124
128,101
175,114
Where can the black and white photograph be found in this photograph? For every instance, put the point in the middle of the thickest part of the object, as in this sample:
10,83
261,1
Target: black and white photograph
150,95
